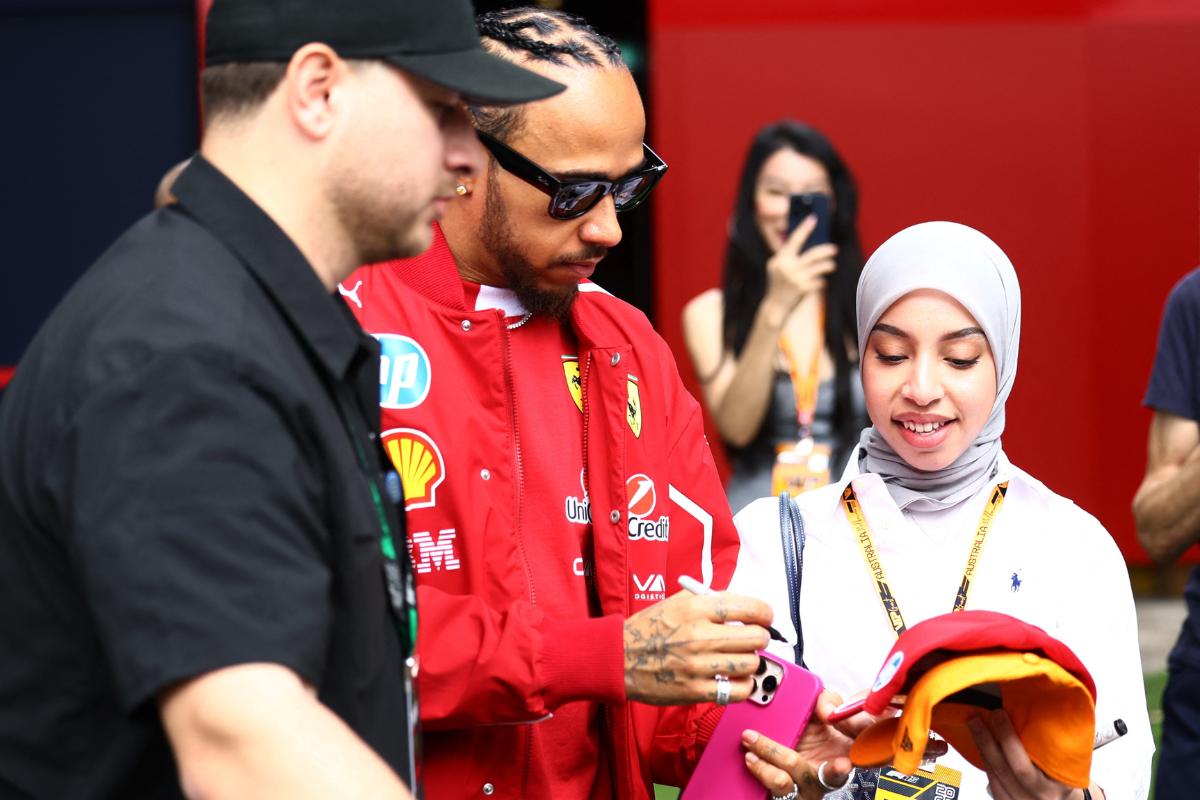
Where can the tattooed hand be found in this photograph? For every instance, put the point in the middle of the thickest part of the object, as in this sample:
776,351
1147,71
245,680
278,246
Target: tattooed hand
675,649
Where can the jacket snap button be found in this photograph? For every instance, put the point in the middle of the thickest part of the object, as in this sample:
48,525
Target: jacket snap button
483,473
488,789
616,359
466,324
615,516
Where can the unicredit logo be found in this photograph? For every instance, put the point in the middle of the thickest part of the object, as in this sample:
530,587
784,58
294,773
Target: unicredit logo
641,497
653,530
639,492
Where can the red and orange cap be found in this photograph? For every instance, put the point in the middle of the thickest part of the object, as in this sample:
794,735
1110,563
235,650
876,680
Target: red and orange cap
947,636
1051,708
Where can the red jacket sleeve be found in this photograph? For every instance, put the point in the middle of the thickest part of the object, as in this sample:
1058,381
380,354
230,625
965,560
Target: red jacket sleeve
481,665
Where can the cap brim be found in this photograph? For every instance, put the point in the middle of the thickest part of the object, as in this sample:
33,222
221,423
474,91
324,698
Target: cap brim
876,746
955,634
480,77
873,746
1050,708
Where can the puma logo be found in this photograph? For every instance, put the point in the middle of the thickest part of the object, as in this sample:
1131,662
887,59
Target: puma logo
351,293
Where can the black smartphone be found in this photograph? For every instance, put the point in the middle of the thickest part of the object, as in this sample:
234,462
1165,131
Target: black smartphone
800,206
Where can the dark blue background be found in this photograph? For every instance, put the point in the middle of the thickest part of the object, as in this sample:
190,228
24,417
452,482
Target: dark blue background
99,101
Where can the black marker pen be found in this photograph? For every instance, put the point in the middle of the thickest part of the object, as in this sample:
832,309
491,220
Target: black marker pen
1110,734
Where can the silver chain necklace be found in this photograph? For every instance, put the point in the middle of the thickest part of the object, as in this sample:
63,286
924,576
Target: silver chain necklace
512,326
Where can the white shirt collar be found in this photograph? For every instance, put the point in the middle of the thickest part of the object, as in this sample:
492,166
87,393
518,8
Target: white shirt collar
498,297
870,486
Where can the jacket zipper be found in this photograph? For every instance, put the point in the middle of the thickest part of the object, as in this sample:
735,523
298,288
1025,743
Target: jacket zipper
505,336
589,571
520,466
609,743
608,731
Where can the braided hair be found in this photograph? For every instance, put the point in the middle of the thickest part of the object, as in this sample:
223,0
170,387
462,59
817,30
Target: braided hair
538,35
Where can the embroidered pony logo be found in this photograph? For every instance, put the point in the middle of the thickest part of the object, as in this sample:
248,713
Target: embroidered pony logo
1016,582
351,293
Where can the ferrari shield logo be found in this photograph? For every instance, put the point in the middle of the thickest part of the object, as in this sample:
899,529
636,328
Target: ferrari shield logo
633,406
574,383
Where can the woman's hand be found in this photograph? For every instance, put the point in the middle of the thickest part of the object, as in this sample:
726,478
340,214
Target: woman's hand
792,275
779,767
1011,775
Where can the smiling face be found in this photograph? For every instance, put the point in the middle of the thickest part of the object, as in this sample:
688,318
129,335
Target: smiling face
784,174
929,378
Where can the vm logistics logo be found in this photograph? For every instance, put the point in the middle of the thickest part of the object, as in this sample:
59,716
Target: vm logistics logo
419,462
651,589
642,498
404,372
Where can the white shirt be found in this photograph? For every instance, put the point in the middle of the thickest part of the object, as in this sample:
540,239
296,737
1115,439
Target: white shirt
1045,561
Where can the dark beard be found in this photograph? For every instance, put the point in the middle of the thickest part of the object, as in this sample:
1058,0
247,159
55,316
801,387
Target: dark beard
495,231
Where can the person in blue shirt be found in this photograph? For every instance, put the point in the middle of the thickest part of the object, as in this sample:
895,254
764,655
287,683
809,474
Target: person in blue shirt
1167,511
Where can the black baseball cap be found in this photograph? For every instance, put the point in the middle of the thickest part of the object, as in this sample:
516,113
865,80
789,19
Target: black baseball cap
433,39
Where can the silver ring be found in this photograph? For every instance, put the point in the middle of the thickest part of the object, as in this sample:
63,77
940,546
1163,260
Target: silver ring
792,795
722,690
821,778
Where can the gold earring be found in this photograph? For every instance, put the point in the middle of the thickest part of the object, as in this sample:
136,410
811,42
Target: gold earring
461,190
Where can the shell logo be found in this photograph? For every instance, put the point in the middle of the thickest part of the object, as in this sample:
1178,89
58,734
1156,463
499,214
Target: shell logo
419,463
639,493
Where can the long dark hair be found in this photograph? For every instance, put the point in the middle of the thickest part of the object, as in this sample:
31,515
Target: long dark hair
745,279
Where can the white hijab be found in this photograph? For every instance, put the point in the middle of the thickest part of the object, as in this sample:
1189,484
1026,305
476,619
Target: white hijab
969,267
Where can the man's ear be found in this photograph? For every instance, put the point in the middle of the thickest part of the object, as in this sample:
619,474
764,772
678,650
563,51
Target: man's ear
314,72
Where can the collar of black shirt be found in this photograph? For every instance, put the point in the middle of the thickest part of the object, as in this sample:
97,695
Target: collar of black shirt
321,319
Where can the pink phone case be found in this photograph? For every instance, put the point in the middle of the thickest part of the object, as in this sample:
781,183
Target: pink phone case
722,773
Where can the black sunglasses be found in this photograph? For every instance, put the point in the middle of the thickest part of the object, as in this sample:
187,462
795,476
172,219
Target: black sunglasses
574,198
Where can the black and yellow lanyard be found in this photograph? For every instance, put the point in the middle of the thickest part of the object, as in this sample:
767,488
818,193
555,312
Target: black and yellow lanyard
863,536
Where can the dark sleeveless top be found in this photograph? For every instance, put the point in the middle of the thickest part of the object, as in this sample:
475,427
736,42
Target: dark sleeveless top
750,478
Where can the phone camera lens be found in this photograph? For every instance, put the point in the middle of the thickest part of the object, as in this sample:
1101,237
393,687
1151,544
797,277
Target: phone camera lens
770,683
762,666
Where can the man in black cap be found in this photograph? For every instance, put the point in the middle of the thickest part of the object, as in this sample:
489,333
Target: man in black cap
199,588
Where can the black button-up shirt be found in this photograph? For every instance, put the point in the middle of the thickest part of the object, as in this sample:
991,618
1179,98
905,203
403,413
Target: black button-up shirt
180,491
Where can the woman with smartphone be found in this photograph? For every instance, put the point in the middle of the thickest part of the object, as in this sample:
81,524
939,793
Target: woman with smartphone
931,516
774,346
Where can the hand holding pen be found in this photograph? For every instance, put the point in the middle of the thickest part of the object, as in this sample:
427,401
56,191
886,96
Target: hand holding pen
696,587
684,649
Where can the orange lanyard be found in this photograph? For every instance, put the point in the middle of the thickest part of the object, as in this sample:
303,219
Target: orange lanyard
805,384
862,535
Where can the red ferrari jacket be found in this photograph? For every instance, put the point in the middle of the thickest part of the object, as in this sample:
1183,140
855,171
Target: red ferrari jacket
491,664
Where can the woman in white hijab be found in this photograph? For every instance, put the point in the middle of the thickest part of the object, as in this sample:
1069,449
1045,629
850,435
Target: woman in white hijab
939,318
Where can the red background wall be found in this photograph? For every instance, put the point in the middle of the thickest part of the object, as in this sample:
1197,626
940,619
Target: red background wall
1068,132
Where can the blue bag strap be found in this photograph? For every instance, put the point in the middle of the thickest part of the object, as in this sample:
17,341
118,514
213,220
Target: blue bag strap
791,531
